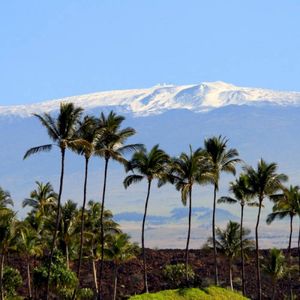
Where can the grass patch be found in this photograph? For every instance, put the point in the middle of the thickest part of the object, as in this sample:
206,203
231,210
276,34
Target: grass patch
209,293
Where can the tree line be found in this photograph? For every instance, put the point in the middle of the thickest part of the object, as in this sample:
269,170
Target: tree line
55,230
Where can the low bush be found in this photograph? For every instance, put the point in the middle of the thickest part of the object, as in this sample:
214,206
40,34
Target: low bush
175,275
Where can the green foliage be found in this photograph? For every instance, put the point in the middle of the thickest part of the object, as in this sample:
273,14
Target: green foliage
274,265
62,280
12,280
211,293
228,240
85,294
176,274
82,294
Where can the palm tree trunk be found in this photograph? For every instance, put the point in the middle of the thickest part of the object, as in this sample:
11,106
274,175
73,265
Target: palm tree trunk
95,277
115,281
290,256
102,226
273,289
188,237
82,224
143,238
299,247
63,150
1,276
257,252
230,274
29,279
67,257
242,251
214,236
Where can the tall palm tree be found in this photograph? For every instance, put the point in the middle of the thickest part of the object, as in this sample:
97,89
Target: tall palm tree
148,165
274,266
185,171
239,188
229,241
286,204
119,250
61,131
87,131
263,182
221,160
111,145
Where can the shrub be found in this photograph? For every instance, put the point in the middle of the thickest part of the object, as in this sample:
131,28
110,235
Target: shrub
62,280
12,280
176,274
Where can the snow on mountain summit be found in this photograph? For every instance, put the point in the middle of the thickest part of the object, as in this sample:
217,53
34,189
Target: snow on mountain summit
198,97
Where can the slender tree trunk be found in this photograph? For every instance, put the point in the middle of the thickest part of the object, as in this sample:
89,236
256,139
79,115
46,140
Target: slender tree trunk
273,289
95,277
115,281
82,224
57,218
67,257
242,251
290,256
299,248
188,237
29,279
143,238
257,252
102,227
230,274
214,236
1,276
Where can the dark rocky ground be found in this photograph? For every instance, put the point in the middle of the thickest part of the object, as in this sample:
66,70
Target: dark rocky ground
130,279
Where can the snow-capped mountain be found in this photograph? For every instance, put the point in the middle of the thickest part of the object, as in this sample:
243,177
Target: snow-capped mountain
158,99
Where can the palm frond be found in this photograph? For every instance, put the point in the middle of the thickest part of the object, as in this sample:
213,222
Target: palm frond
34,150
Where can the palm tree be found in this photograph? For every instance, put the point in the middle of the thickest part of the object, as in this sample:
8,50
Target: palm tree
240,190
119,250
221,160
263,182
92,234
274,267
88,132
229,242
111,145
29,245
148,165
42,199
61,131
67,227
185,172
286,204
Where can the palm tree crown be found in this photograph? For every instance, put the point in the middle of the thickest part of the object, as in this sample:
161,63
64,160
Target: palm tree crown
60,130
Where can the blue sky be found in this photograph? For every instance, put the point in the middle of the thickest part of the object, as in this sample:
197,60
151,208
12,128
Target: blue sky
51,49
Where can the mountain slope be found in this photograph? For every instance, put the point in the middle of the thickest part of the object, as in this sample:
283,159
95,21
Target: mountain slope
141,102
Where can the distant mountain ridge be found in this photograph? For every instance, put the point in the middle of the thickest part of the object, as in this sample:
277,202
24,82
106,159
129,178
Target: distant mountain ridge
161,98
